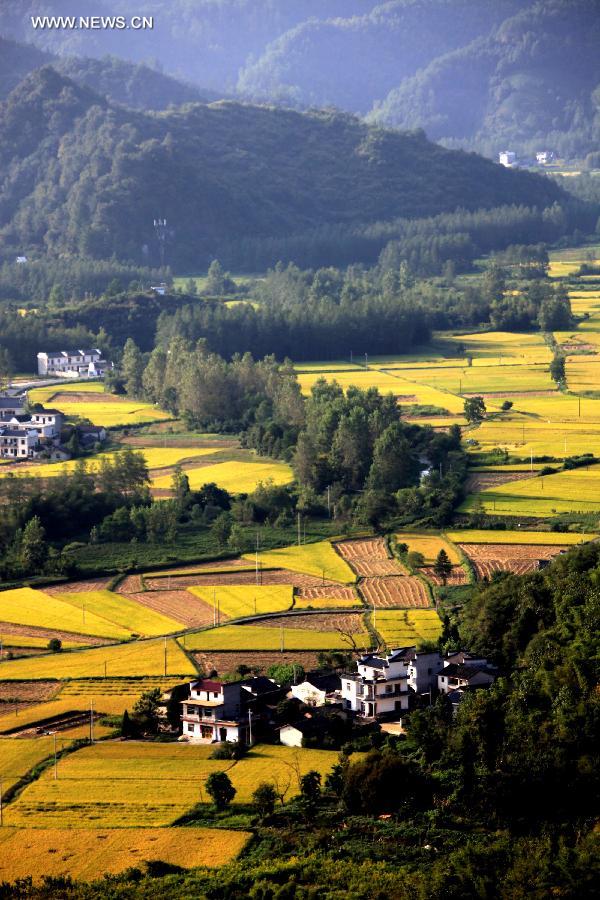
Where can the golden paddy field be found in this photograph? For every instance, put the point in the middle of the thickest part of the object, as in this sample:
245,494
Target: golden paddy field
318,559
235,477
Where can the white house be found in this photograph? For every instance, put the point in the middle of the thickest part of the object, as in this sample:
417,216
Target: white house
380,686
292,735
11,406
18,443
455,677
317,690
47,421
423,669
507,158
72,363
543,157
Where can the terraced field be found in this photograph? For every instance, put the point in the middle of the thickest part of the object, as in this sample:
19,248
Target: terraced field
26,606
236,601
406,592
156,458
234,477
516,558
88,855
264,637
404,628
369,557
572,491
319,559
548,538
17,757
101,409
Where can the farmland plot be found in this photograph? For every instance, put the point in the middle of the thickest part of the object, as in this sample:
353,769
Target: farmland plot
262,638
548,538
190,611
123,611
237,601
85,854
326,595
319,559
404,592
369,557
235,477
25,606
18,756
404,628
516,558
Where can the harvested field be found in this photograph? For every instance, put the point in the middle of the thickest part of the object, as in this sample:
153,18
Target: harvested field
266,576
480,481
322,594
456,577
352,623
486,568
131,584
28,691
404,592
516,558
216,565
183,606
369,557
227,662
76,587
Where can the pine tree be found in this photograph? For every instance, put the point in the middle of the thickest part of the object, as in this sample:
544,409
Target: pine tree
34,549
442,566
132,367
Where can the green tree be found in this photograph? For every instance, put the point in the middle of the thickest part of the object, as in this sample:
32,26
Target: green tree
55,645
145,711
557,368
34,549
264,797
132,368
286,674
220,788
310,789
221,529
442,566
475,410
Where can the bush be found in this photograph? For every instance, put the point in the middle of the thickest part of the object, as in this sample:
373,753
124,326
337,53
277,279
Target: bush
55,645
229,750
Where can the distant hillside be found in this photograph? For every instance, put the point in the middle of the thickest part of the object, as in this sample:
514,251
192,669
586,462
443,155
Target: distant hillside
132,84
348,62
532,80
81,176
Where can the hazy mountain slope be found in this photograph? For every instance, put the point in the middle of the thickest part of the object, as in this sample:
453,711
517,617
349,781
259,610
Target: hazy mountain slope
83,177
348,62
532,78
204,41
132,84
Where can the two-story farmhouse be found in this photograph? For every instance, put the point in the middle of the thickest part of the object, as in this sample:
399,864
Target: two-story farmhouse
72,363
379,688
218,711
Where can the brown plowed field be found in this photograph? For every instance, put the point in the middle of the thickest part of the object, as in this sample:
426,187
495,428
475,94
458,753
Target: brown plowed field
485,568
350,622
369,548
236,563
268,576
481,480
511,551
227,662
405,592
131,584
182,606
75,587
457,576
7,628
26,691
336,592
369,557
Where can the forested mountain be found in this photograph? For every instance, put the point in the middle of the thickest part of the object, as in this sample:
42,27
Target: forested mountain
534,81
82,177
348,62
131,84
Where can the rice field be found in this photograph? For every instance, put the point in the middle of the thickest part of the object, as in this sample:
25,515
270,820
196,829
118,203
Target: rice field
26,606
404,628
498,345
133,659
131,784
574,491
123,611
109,412
264,637
235,601
489,379
406,592
235,477
86,855
427,544
46,394
19,755
319,559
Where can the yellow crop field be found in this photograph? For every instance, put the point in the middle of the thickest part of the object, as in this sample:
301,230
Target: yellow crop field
113,413
25,606
19,755
45,394
429,545
137,658
318,559
264,637
360,378
577,490
129,784
86,855
497,345
527,436
488,379
236,477
583,373
27,640
279,765
324,365
546,538
123,611
236,601
156,458
117,785
403,628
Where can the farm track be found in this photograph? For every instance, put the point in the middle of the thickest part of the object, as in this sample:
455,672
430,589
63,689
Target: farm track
399,592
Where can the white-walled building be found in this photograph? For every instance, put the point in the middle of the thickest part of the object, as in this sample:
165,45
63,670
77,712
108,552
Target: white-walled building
380,685
213,712
18,443
456,677
423,670
317,690
507,158
12,406
72,363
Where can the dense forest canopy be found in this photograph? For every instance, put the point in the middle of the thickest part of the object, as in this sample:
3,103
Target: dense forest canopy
83,177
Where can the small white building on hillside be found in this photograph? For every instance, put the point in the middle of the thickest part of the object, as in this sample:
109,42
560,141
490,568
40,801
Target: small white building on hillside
380,685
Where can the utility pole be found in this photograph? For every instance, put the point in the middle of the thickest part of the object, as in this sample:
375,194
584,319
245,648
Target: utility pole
329,500
366,361
165,650
299,532
214,607
250,727
160,229
1,817
83,611
91,721
55,763
256,559
282,645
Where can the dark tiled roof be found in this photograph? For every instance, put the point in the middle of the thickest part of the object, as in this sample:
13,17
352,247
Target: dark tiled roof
467,672
206,684
260,685
325,683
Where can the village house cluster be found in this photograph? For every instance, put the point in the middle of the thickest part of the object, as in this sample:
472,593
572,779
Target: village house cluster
39,432
73,364
383,689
